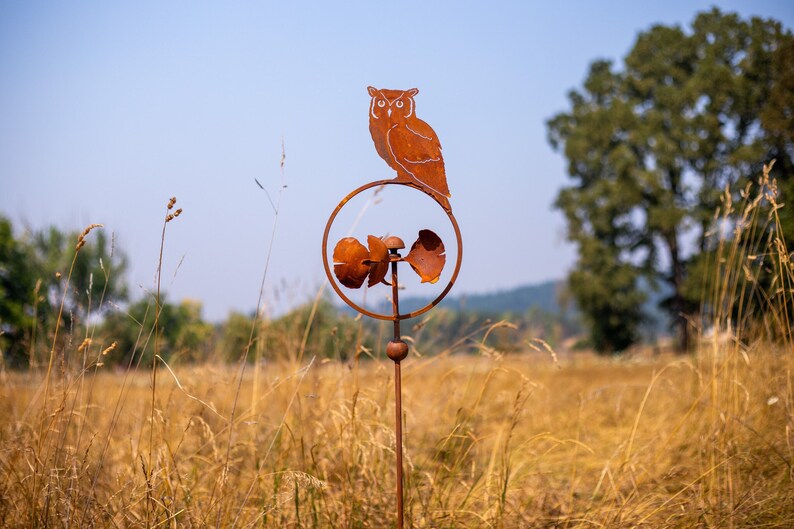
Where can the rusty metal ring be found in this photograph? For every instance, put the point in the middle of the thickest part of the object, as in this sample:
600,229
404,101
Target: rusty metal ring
377,315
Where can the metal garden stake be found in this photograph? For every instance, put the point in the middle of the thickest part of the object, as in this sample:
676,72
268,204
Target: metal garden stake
411,148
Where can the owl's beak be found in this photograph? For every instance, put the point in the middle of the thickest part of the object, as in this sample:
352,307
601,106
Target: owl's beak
388,112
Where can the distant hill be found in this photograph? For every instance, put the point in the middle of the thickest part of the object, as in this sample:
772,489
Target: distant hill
542,297
519,300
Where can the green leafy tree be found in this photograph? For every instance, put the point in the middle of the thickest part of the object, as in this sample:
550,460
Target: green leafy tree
97,278
323,331
328,332
650,149
188,336
180,334
234,335
777,119
34,278
84,271
17,297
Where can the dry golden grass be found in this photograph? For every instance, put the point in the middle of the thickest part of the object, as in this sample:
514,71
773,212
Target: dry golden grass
490,441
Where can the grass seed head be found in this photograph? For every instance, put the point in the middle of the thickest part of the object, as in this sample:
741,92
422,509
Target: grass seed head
172,216
81,238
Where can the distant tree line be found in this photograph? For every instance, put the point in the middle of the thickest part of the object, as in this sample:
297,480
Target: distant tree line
69,300
653,146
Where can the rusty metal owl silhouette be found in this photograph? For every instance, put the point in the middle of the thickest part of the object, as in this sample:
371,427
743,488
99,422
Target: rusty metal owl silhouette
408,144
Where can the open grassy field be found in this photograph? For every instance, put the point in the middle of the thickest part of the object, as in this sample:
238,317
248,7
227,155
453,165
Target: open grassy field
490,441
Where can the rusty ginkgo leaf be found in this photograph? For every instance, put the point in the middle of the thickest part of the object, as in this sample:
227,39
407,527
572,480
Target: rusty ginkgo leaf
427,256
351,262
379,260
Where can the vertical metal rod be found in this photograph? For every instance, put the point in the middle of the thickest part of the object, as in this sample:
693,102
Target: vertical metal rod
399,444
395,299
398,411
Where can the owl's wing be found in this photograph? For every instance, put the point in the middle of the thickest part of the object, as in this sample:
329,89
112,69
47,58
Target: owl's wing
431,144
407,145
418,152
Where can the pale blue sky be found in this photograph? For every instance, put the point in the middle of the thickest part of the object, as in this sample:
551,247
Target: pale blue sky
109,108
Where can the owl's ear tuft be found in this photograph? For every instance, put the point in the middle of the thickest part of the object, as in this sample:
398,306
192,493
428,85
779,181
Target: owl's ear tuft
372,90
413,91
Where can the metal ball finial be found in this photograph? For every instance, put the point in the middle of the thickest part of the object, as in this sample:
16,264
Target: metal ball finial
397,350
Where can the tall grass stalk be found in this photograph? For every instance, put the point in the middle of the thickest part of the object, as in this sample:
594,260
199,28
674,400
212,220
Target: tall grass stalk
149,472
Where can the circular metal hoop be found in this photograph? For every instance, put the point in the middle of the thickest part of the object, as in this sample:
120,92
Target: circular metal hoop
377,315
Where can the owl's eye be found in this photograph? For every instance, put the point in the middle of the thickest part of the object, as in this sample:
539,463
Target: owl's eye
381,103
399,104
